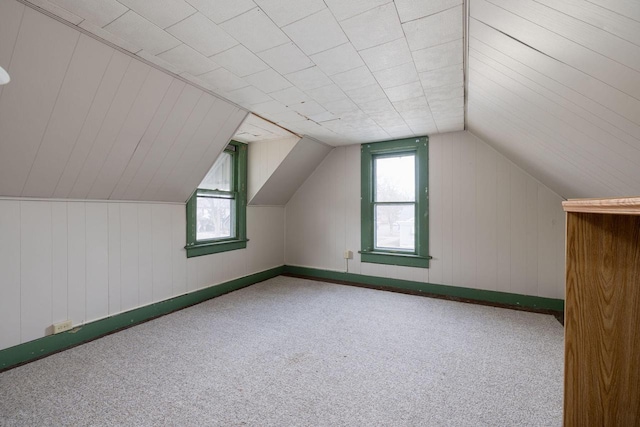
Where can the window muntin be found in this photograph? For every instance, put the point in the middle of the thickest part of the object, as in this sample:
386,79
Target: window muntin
216,213
395,202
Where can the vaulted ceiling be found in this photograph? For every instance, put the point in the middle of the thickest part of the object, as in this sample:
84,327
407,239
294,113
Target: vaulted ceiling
339,71
553,85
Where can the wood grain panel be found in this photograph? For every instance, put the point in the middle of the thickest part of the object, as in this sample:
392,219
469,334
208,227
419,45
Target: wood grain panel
97,256
129,253
59,261
149,138
27,103
88,64
35,271
138,118
602,376
91,127
110,127
115,250
77,252
170,130
10,19
10,273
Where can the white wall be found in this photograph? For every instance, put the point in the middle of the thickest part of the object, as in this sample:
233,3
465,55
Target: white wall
83,260
492,226
263,158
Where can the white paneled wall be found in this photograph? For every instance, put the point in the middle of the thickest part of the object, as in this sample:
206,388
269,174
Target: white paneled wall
492,226
84,261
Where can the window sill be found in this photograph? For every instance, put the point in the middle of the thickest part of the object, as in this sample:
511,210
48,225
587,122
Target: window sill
199,249
395,258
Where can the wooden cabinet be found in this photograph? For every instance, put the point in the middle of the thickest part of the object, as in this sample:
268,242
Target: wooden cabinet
602,313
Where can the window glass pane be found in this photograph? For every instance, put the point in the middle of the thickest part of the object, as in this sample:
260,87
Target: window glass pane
395,178
394,227
214,218
220,174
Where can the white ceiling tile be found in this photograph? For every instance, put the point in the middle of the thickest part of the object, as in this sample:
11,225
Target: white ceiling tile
290,96
366,94
445,92
354,79
160,62
387,55
343,9
374,27
286,59
202,34
58,11
223,80
401,131
222,10
414,9
137,30
337,60
111,38
307,108
402,92
442,77
439,56
415,116
322,117
316,33
420,128
433,30
100,12
270,107
388,119
340,106
326,94
189,60
240,61
447,104
416,103
255,30
309,79
396,76
163,13
247,96
288,116
284,12
377,106
268,80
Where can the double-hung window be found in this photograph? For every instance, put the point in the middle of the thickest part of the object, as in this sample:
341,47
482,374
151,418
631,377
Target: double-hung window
395,211
216,212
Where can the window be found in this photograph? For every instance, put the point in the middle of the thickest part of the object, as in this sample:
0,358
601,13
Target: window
216,212
395,211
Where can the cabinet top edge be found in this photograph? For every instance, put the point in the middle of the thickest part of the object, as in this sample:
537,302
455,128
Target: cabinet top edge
614,206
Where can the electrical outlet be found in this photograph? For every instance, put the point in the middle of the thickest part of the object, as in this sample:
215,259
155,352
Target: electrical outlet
62,326
348,254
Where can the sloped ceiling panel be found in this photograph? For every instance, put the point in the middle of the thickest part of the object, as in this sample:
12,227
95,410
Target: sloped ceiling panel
82,120
556,87
296,167
339,71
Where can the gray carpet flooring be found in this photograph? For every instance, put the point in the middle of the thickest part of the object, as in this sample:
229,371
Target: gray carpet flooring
293,352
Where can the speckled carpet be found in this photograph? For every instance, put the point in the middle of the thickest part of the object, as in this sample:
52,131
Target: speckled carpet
293,352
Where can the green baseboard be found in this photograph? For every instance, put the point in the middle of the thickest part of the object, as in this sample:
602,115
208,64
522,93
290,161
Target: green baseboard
35,349
478,295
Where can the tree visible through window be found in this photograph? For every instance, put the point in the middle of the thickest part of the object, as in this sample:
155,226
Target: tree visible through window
216,213
395,202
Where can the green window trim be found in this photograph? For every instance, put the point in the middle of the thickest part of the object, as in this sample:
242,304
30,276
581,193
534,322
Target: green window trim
239,194
369,152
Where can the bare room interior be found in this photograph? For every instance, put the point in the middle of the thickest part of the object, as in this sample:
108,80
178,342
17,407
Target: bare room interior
319,212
